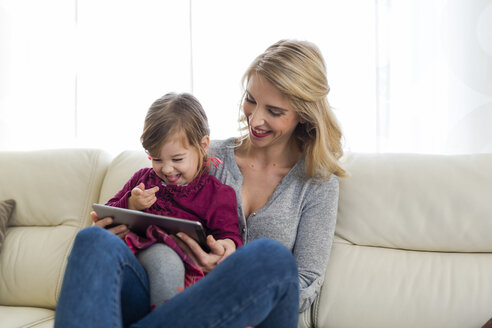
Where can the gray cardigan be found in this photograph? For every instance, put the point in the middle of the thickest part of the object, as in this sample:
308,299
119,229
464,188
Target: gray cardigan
301,214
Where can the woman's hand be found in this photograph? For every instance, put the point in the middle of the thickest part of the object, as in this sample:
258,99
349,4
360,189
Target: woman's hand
219,250
120,230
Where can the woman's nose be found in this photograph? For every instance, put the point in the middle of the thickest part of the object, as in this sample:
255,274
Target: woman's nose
256,117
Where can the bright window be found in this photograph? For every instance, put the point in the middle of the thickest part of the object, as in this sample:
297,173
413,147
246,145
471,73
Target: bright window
405,76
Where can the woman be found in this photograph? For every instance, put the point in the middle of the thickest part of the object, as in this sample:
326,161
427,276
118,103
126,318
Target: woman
282,168
284,172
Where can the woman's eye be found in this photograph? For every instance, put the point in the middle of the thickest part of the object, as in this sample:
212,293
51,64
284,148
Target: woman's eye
251,101
274,113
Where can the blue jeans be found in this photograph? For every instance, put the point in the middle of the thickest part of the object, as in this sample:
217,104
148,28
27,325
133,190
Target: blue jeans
106,286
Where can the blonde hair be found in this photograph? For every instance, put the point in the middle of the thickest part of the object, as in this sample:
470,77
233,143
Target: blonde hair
174,115
297,70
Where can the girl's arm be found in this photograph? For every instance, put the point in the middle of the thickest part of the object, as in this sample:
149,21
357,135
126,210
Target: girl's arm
141,198
220,220
119,200
122,196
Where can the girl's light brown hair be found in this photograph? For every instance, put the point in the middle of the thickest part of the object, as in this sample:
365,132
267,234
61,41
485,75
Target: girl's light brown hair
297,69
174,115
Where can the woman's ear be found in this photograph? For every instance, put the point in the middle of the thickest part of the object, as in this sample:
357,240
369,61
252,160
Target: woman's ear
205,142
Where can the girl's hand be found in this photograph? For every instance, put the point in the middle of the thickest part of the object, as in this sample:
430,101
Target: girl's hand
142,198
229,246
205,261
120,230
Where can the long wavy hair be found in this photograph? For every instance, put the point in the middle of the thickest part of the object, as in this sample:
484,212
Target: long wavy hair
297,69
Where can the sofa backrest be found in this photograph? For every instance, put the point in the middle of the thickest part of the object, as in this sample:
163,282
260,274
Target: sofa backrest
121,170
54,191
413,245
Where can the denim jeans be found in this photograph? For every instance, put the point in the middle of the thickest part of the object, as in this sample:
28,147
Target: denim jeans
106,286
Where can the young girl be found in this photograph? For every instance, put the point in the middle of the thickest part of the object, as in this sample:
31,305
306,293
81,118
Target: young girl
176,137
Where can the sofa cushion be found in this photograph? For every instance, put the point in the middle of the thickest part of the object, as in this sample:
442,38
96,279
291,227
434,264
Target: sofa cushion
54,190
412,243
18,316
417,202
6,209
384,287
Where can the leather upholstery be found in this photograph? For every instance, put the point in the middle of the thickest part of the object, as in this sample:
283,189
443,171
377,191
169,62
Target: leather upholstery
412,245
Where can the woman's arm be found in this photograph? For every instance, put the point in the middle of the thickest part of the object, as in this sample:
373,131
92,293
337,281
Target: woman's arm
219,250
315,238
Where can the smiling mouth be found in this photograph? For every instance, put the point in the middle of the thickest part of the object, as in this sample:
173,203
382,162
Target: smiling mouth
173,178
259,133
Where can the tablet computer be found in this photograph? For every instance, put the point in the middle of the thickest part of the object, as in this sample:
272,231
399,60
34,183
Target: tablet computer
138,221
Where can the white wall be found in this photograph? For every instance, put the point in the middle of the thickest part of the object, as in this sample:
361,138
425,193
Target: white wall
405,76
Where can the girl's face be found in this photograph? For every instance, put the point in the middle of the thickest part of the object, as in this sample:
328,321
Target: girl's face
271,118
177,163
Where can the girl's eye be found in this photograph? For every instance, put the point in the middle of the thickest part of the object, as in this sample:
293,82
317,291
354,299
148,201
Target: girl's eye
156,160
177,159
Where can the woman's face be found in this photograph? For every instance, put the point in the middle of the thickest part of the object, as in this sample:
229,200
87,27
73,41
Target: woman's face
271,118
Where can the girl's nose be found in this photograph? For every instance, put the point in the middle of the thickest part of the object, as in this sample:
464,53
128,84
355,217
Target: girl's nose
167,169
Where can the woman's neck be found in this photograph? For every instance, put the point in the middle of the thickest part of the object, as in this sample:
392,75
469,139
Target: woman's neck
282,156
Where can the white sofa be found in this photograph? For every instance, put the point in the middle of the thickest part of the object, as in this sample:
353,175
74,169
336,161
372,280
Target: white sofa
413,245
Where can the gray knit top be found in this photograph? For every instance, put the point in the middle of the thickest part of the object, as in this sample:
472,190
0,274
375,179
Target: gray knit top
301,214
